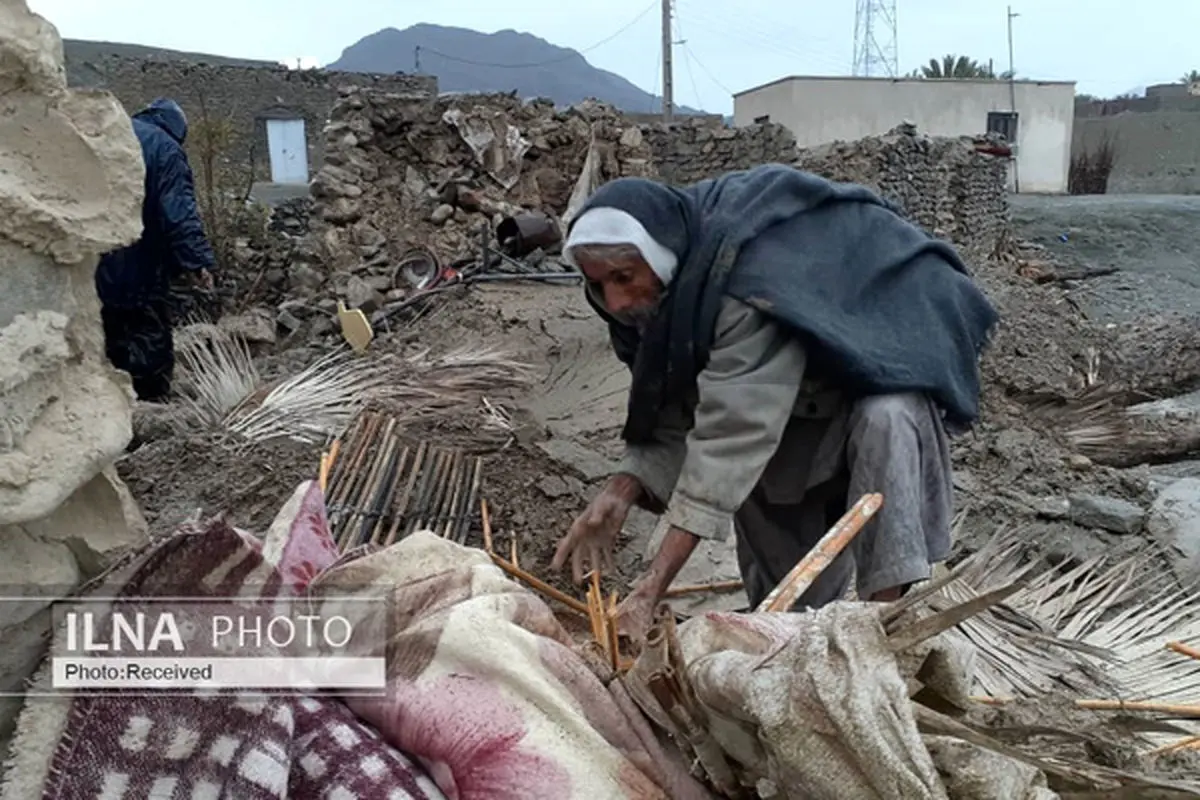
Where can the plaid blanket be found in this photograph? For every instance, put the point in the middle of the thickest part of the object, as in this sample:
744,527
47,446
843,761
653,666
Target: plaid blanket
216,745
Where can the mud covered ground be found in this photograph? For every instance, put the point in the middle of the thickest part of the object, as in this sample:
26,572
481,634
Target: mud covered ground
1152,240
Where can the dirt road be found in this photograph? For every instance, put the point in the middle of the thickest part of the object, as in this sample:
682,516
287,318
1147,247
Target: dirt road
1154,240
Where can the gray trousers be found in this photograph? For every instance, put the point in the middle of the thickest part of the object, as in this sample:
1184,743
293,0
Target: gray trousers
892,444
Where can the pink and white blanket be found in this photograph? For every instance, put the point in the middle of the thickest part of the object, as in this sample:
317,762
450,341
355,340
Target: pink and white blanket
486,696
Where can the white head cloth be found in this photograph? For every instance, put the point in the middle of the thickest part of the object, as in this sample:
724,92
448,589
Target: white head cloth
604,225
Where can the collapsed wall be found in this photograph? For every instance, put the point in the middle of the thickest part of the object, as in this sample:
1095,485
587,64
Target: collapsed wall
952,187
693,150
71,179
404,171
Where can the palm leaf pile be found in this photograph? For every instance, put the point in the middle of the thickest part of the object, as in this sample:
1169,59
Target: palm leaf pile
1111,634
223,391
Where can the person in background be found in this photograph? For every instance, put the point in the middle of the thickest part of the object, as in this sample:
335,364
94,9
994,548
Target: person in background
134,282
794,344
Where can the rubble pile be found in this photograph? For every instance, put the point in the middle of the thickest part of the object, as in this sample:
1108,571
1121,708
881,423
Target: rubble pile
946,185
408,171
692,150
72,189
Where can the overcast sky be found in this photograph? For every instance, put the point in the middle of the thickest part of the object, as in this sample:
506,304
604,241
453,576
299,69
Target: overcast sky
1108,46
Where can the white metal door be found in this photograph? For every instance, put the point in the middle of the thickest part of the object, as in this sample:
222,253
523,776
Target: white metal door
288,149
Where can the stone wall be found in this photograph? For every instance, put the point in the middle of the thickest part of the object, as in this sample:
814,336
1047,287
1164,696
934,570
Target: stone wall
1156,152
692,150
72,189
950,186
400,174
246,97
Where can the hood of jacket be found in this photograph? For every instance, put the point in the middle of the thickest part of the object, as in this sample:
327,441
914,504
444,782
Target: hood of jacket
166,114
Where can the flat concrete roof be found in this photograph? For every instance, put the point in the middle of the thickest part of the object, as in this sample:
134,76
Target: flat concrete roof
897,80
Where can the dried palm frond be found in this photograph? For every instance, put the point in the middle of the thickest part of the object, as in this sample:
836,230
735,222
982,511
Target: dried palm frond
223,390
1110,621
1144,432
313,405
218,371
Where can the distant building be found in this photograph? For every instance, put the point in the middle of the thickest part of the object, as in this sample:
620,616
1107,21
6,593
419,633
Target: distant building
819,110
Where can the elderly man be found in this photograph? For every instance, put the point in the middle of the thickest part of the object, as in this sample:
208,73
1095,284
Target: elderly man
794,344
134,282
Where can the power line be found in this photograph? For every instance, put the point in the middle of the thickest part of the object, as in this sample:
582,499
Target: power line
687,62
760,40
692,57
624,28
760,31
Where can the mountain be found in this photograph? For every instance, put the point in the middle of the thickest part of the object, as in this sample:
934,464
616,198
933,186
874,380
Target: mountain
466,61
83,50
82,59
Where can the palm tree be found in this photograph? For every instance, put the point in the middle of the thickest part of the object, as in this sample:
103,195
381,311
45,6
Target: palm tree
956,68
1191,77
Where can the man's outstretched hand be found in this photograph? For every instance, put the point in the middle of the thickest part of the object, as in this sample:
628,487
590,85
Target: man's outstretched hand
590,541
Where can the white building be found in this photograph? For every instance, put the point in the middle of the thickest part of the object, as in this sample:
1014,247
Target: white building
819,110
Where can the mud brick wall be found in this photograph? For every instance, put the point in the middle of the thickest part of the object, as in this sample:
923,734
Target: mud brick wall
692,150
246,97
946,185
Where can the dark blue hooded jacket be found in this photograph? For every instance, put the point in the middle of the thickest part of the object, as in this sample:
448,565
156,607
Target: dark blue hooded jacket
173,239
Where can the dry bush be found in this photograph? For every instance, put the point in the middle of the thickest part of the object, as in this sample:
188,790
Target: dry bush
224,171
1092,166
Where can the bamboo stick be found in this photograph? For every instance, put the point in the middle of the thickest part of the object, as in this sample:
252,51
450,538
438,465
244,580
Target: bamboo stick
452,506
487,526
438,501
536,583
1184,650
697,588
1186,743
614,647
385,505
785,595
367,487
1167,709
414,470
464,525
381,480
540,586
421,497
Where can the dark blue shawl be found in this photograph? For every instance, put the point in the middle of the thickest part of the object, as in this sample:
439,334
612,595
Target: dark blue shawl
882,306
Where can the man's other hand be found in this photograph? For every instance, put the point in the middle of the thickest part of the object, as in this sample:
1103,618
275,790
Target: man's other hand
590,541
635,614
202,279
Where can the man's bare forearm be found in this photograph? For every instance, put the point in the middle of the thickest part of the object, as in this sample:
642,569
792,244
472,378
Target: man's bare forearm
676,548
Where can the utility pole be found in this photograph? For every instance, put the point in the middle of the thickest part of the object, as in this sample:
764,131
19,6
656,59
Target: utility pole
417,60
668,87
1012,102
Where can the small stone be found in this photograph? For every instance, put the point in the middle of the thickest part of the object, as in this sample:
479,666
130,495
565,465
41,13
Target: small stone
1108,513
1052,507
441,214
255,326
306,277
553,486
1079,462
288,321
361,295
